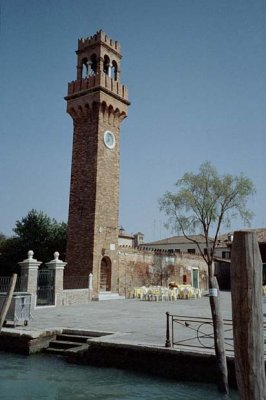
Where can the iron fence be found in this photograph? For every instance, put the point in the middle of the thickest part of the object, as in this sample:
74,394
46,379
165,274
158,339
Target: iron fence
195,332
46,287
5,283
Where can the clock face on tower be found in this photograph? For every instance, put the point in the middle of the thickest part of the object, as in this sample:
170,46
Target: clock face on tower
109,139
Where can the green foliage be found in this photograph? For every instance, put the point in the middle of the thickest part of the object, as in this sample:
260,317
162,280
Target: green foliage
206,201
10,255
36,232
2,239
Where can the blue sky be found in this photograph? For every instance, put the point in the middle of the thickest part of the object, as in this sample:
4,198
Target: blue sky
196,75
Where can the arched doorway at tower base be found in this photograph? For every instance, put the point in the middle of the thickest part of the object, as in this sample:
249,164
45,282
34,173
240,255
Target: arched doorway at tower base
105,274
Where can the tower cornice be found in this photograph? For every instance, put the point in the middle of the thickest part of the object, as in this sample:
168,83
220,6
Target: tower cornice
94,90
100,81
106,46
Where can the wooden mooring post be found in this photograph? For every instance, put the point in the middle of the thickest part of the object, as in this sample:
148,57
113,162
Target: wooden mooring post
247,315
8,299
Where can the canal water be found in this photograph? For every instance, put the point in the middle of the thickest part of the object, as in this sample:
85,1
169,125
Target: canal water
41,377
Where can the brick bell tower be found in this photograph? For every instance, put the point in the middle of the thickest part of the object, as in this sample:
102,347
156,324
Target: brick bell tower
97,103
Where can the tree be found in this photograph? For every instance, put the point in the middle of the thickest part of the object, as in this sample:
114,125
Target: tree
10,254
162,270
42,234
2,239
203,203
36,232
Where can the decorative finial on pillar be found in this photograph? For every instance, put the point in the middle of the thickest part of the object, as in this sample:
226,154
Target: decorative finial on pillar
30,254
56,255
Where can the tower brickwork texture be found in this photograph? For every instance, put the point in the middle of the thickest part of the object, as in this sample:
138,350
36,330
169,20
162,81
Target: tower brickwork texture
97,103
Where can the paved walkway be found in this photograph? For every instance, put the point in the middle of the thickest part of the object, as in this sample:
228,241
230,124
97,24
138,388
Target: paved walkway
132,321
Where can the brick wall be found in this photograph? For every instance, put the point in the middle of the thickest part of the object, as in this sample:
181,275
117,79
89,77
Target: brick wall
145,268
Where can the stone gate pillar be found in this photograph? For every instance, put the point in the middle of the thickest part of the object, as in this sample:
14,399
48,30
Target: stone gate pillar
29,276
58,267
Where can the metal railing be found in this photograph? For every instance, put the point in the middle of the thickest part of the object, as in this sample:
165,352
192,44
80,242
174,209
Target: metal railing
195,332
46,287
5,282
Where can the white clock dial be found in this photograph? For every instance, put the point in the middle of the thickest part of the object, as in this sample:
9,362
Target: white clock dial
109,139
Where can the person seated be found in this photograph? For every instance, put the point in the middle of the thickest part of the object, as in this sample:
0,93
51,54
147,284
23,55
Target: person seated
172,285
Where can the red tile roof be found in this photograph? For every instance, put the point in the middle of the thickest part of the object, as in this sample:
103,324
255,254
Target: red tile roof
177,240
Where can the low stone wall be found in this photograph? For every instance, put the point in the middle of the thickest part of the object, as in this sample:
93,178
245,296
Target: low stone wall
134,268
74,296
168,363
21,342
163,362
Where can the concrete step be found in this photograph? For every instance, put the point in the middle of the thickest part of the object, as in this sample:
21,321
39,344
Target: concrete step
110,296
71,342
51,350
73,338
86,333
63,344
71,351
68,343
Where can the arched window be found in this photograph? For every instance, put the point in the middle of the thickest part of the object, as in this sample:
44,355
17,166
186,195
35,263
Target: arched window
107,66
92,65
114,70
85,68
